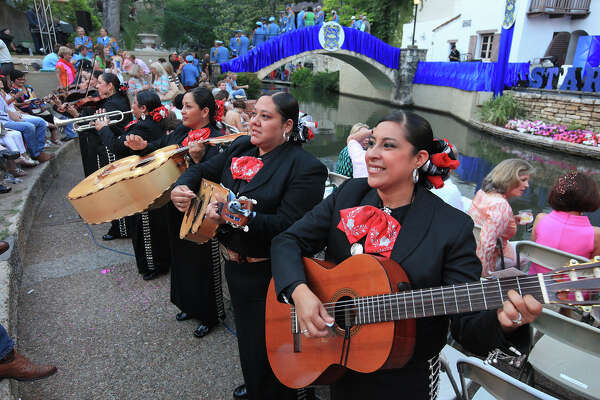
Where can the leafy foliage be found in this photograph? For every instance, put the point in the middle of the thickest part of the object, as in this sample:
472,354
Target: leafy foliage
66,10
301,77
501,109
254,84
305,78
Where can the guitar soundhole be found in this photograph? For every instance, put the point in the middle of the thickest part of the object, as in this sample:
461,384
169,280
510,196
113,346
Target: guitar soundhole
344,314
143,162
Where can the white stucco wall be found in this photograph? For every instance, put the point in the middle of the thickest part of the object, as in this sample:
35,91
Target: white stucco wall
531,37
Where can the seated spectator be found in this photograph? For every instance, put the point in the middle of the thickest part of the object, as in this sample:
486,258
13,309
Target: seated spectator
357,149
344,163
221,85
173,77
49,62
83,53
189,73
450,194
65,70
233,117
491,211
233,88
565,228
11,148
162,85
139,62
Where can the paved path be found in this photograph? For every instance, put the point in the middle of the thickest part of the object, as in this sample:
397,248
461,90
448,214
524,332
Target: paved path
111,334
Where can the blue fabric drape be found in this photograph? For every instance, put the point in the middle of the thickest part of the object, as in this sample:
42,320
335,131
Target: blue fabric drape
470,76
587,54
506,38
307,39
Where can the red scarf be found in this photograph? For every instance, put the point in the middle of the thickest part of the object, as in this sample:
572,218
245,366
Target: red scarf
196,135
245,167
381,229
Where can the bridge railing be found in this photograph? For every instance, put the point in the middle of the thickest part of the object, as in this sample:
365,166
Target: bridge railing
470,76
307,39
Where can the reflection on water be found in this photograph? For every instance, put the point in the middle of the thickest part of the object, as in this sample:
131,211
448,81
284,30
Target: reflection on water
479,152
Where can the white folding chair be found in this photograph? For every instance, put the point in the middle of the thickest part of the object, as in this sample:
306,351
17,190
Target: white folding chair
333,181
568,354
545,256
494,383
448,385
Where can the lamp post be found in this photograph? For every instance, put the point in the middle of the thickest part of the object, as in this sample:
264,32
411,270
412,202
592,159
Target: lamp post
416,3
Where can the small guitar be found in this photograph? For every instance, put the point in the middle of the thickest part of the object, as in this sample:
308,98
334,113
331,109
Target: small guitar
375,313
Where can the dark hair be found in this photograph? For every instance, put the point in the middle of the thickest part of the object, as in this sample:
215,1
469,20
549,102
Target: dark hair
239,103
204,98
222,95
287,106
4,80
149,99
81,48
161,60
574,191
418,132
309,9
16,74
178,101
97,73
112,79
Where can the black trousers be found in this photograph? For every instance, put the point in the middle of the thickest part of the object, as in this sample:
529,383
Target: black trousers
150,240
248,284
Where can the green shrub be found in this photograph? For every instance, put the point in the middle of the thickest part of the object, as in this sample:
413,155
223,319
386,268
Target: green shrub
500,110
254,84
326,81
574,126
301,77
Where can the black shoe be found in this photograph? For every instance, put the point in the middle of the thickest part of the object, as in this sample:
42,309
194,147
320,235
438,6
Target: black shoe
5,189
203,330
240,392
110,236
10,155
148,276
183,316
66,139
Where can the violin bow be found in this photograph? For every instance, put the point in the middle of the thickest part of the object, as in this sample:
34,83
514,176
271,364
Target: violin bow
87,90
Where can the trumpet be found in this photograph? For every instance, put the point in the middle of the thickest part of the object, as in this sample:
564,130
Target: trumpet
83,123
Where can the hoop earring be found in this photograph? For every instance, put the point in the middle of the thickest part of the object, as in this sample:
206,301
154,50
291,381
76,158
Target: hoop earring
285,137
143,116
415,175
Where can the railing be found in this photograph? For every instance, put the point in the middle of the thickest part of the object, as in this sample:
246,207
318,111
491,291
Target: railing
560,7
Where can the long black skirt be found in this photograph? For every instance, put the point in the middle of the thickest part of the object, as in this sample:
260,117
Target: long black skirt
195,274
120,227
150,240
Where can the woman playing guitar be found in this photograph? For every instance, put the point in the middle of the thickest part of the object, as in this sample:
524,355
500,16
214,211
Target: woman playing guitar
148,230
403,221
286,181
193,289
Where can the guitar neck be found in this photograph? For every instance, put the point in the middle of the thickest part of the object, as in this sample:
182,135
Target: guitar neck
455,299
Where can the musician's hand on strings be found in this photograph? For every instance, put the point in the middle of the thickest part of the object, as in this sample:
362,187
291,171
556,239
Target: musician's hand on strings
135,142
313,319
213,211
517,311
181,196
101,123
72,111
196,151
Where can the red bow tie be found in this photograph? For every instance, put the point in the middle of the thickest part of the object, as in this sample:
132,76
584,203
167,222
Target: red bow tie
380,228
245,167
196,135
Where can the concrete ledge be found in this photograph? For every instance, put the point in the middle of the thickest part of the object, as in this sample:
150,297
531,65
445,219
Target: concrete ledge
24,199
576,149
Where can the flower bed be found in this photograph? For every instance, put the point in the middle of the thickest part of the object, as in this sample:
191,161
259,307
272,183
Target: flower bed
556,132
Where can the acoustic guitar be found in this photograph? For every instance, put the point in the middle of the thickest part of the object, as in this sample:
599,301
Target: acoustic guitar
375,313
132,184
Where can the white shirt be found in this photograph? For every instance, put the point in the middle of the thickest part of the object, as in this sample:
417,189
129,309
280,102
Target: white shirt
450,194
4,53
357,155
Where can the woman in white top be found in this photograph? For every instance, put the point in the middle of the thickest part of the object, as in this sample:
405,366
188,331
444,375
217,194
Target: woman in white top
161,84
357,143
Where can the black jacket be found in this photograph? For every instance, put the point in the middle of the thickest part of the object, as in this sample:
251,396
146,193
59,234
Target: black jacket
116,102
148,129
286,187
435,247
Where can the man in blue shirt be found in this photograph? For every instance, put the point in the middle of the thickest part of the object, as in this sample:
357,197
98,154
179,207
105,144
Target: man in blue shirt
283,23
273,29
82,40
82,53
259,35
300,16
49,62
244,44
291,17
335,17
189,73
221,53
320,17
234,44
213,52
232,87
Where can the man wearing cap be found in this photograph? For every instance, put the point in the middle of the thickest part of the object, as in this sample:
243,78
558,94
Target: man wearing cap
234,44
335,17
244,44
273,29
259,35
366,25
213,52
283,22
189,73
221,53
6,64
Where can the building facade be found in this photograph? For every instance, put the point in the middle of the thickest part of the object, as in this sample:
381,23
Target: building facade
544,29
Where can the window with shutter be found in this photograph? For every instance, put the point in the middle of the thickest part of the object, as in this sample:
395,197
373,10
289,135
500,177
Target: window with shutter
495,46
472,47
486,43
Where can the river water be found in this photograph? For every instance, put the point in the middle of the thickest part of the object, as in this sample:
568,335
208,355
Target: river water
479,152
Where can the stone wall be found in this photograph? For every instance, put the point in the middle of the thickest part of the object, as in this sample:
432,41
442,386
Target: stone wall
409,59
561,108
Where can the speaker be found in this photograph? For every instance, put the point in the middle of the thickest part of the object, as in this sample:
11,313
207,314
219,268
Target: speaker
84,20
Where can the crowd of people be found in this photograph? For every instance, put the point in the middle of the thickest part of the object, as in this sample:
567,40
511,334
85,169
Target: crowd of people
397,168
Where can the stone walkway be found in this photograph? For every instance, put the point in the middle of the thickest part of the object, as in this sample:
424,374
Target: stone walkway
112,335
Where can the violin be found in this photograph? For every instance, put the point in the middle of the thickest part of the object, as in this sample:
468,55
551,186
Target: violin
90,101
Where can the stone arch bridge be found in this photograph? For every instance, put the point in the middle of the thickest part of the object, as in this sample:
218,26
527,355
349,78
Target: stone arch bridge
369,67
